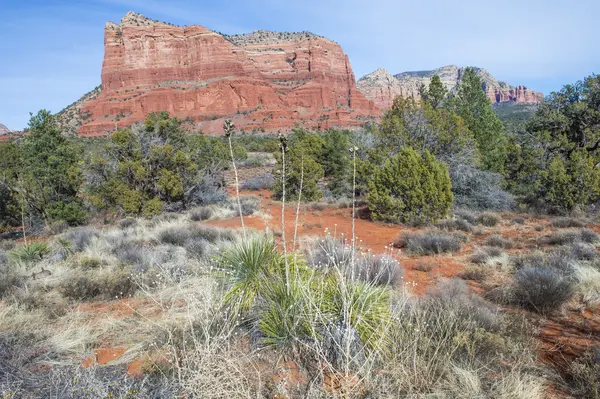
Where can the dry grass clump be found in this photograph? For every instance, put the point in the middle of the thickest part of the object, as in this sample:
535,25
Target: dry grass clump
485,254
79,239
202,213
332,253
565,237
585,375
542,289
498,241
441,341
566,222
127,223
518,220
260,182
488,219
429,243
454,225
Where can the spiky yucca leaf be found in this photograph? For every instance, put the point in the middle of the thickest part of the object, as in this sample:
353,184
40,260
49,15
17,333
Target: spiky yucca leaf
363,306
248,265
28,255
285,320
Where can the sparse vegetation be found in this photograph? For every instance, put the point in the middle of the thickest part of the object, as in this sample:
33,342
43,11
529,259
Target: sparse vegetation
429,243
214,313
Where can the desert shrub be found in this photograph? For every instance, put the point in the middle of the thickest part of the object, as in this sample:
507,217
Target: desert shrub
476,189
56,227
542,289
455,224
587,283
10,278
250,205
498,241
585,373
210,189
329,252
196,247
69,382
117,284
483,255
200,214
318,206
89,263
80,238
28,255
436,333
562,238
127,223
518,220
429,243
567,222
130,253
463,214
539,228
212,234
260,182
488,219
408,187
583,251
589,236
565,237
79,288
561,260
174,236
475,273
379,270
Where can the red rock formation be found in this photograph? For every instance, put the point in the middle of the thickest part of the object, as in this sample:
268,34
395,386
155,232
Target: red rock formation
382,88
3,130
263,80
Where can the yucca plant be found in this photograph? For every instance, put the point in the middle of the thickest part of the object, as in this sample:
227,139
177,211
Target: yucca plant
285,322
362,306
27,255
249,265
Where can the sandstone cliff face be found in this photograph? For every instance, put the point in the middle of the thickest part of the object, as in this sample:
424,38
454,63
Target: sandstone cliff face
3,130
382,88
263,80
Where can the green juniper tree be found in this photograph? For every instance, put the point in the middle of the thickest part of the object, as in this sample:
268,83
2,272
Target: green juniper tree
476,110
51,172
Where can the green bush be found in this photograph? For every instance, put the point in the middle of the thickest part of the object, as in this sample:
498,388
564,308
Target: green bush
410,187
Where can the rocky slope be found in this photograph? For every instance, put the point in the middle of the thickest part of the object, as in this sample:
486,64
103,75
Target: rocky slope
381,87
263,80
3,130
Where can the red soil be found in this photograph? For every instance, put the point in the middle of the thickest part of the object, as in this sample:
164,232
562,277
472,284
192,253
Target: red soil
103,356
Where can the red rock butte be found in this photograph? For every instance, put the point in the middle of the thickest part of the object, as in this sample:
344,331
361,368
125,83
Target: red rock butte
264,81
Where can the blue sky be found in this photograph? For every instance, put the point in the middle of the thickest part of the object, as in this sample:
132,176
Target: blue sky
51,51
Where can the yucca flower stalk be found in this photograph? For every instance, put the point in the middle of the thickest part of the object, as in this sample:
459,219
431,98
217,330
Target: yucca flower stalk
229,128
283,146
